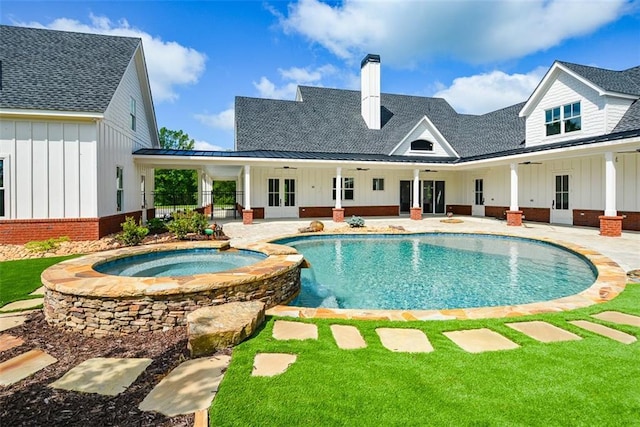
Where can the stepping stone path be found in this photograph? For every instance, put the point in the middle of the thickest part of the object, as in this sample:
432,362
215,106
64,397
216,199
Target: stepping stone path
285,330
543,331
605,331
9,341
271,364
23,305
480,340
106,376
11,322
404,340
347,337
39,291
20,367
619,318
188,388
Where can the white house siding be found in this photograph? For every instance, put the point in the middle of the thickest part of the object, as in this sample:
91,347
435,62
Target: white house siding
628,182
565,90
46,160
615,108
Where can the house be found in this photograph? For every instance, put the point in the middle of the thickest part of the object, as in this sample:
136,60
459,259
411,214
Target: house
73,109
570,154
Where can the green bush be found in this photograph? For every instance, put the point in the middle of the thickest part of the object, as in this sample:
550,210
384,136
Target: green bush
132,233
187,222
156,225
45,245
355,221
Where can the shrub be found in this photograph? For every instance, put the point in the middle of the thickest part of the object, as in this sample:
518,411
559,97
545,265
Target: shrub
156,225
132,233
355,221
188,222
45,245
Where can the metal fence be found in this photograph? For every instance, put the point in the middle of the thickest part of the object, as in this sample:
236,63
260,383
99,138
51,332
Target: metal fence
215,204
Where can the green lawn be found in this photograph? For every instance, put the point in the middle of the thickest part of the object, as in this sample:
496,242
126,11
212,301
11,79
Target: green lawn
21,277
594,381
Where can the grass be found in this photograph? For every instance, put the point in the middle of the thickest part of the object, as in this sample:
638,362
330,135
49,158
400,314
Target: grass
21,277
594,381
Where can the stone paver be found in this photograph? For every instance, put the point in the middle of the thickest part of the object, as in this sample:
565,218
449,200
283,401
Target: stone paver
285,330
20,367
543,331
188,388
347,337
39,291
11,322
271,364
20,313
23,305
605,331
404,340
620,318
480,340
9,341
106,376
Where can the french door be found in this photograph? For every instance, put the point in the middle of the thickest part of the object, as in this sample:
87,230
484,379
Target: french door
432,196
561,212
281,198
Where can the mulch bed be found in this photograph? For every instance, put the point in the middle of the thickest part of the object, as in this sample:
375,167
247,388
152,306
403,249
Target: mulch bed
31,402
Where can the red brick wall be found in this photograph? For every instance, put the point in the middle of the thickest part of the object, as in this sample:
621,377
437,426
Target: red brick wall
459,209
496,211
258,213
21,231
589,218
536,214
327,211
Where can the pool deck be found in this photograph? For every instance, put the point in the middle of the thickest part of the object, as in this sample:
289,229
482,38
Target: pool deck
624,251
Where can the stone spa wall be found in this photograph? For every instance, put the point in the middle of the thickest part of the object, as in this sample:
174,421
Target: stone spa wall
77,298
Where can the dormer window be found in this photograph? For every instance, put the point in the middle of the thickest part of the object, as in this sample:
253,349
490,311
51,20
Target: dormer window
570,121
421,145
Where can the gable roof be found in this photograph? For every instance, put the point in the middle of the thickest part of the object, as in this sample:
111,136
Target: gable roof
625,81
329,121
61,71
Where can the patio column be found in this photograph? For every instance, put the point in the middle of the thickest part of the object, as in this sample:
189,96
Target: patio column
610,222
338,211
416,210
514,214
247,212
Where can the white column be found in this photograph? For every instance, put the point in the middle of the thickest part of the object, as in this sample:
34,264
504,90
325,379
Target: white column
416,188
514,187
247,187
610,184
201,176
338,188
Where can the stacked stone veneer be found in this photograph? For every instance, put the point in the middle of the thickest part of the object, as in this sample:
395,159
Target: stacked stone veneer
98,305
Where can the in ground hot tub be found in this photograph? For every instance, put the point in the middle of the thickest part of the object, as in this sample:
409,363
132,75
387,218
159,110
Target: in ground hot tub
81,296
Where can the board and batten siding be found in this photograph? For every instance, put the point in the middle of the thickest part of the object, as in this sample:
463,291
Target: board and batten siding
52,171
566,90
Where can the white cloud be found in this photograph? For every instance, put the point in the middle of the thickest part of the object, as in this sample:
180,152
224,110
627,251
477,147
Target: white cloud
207,146
292,78
223,120
404,33
169,64
483,93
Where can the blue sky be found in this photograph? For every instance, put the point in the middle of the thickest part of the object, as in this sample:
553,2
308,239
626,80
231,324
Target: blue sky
478,55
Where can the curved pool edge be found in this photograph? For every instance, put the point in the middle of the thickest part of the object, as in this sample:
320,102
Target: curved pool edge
610,282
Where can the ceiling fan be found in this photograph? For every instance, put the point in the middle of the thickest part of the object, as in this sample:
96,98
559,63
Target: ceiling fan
631,151
359,169
287,167
529,163
429,170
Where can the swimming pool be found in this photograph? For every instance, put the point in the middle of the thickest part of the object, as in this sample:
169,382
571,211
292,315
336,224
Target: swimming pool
183,262
435,271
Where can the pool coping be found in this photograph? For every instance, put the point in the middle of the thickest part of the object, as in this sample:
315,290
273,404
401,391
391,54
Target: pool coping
77,277
610,282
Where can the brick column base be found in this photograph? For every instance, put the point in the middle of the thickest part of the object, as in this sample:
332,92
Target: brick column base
416,214
247,216
338,215
610,226
514,218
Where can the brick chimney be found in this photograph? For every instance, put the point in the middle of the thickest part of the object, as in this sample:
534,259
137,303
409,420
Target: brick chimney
370,90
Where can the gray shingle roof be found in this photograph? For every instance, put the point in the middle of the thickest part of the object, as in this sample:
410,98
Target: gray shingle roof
329,121
61,71
626,81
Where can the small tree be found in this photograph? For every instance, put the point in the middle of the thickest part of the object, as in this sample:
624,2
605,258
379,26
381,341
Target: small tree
175,182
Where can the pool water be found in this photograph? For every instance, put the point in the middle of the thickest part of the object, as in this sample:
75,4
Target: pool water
435,271
179,263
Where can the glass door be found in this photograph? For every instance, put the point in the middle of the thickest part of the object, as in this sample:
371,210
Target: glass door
561,212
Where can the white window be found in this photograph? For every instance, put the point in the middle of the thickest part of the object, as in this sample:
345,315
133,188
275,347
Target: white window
119,188
4,193
132,113
563,120
421,145
479,192
348,185
378,184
